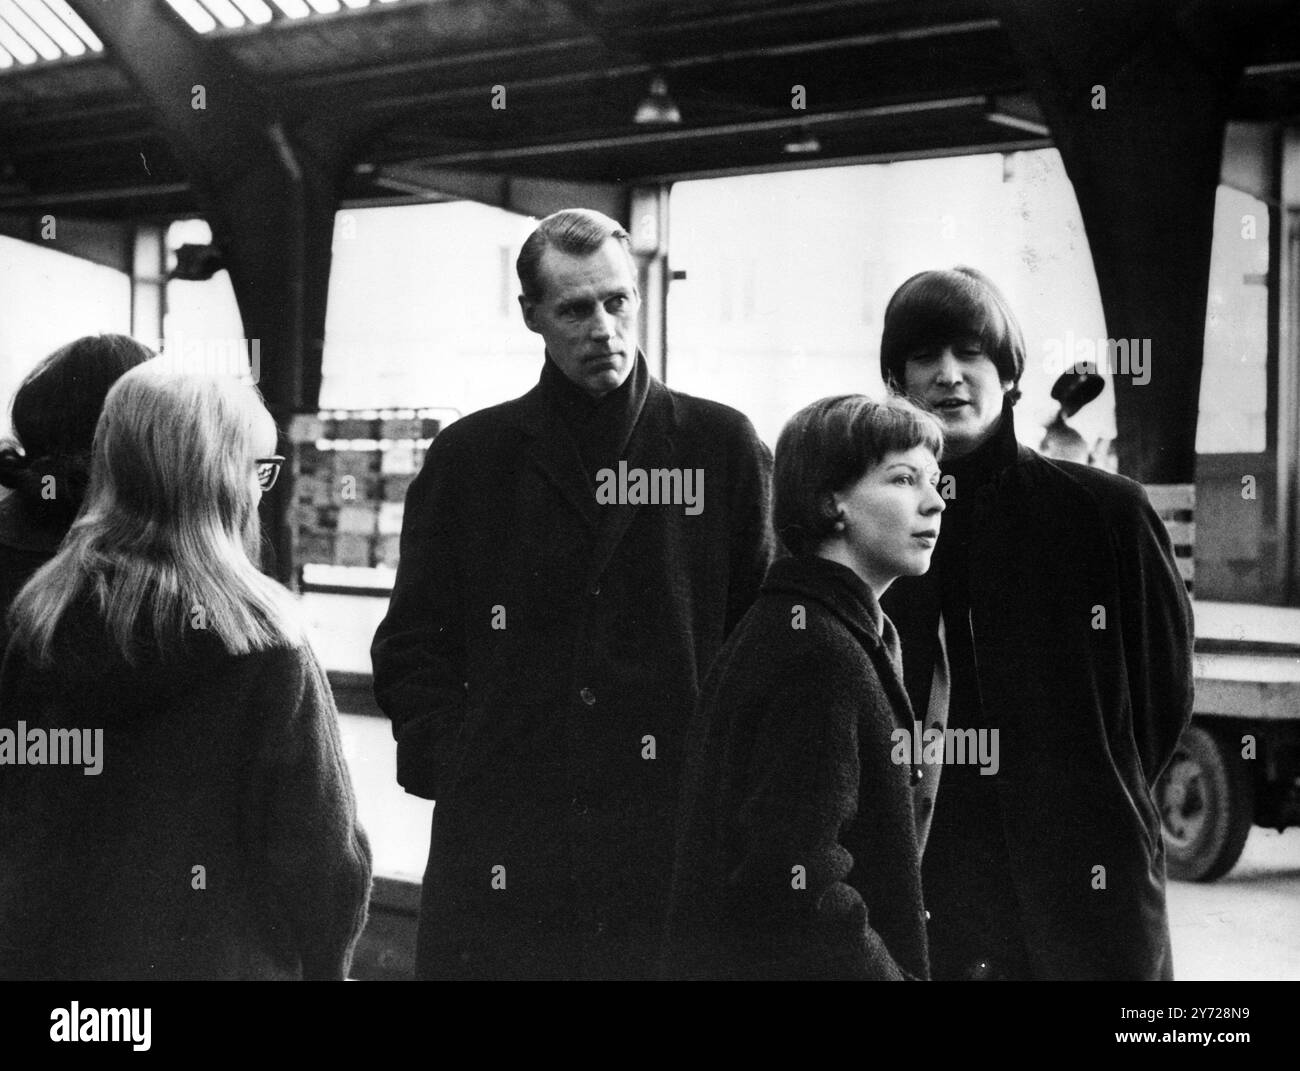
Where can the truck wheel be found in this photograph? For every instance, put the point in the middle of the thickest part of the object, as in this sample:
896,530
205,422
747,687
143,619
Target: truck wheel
1207,803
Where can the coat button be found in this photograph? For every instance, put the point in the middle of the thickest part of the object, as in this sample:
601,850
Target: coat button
927,916
595,589
917,774
588,697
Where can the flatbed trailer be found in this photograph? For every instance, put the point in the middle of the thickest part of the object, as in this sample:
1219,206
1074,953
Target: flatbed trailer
1238,763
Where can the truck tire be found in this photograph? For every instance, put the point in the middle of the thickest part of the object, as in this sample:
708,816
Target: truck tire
1206,800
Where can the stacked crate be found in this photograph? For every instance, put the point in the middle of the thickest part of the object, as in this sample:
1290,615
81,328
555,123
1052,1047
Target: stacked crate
351,473
1175,504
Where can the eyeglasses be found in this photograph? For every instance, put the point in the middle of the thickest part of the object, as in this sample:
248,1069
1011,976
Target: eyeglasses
268,470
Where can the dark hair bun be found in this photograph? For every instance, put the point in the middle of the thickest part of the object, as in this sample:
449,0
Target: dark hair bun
52,488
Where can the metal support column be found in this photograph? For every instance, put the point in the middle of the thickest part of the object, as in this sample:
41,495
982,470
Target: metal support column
648,226
1136,97
149,283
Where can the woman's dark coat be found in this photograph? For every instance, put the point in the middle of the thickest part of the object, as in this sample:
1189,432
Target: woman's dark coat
1082,635
798,854
27,541
219,840
540,661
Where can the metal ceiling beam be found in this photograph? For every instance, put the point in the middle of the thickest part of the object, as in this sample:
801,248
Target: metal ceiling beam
679,134
686,27
92,196
849,160
627,69
97,241
527,196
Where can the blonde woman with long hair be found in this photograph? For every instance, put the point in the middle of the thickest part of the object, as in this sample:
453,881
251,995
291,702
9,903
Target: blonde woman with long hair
173,797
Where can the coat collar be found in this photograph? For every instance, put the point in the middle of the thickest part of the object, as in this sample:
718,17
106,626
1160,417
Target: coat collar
846,596
552,451
835,586
983,465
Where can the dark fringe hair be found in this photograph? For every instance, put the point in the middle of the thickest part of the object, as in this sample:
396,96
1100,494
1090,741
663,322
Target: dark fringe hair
831,444
934,308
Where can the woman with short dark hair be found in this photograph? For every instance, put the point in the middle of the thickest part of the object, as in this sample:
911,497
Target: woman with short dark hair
799,846
46,468
181,807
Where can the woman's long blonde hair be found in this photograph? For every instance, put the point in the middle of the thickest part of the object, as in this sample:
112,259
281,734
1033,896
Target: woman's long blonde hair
162,545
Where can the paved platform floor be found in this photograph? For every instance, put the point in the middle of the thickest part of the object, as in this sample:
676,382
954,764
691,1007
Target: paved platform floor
1244,926
398,824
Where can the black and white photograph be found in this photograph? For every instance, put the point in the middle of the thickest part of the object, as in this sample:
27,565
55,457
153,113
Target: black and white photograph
650,491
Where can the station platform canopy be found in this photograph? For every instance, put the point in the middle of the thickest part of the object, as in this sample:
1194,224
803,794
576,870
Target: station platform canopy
445,98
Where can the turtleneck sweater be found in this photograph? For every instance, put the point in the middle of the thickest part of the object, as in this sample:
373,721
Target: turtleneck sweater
975,927
602,427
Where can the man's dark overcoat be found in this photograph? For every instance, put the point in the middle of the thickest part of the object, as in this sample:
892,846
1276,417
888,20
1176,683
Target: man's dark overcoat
540,661
1082,635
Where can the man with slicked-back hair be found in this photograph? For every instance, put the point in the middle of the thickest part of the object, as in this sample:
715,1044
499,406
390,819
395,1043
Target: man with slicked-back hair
571,561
